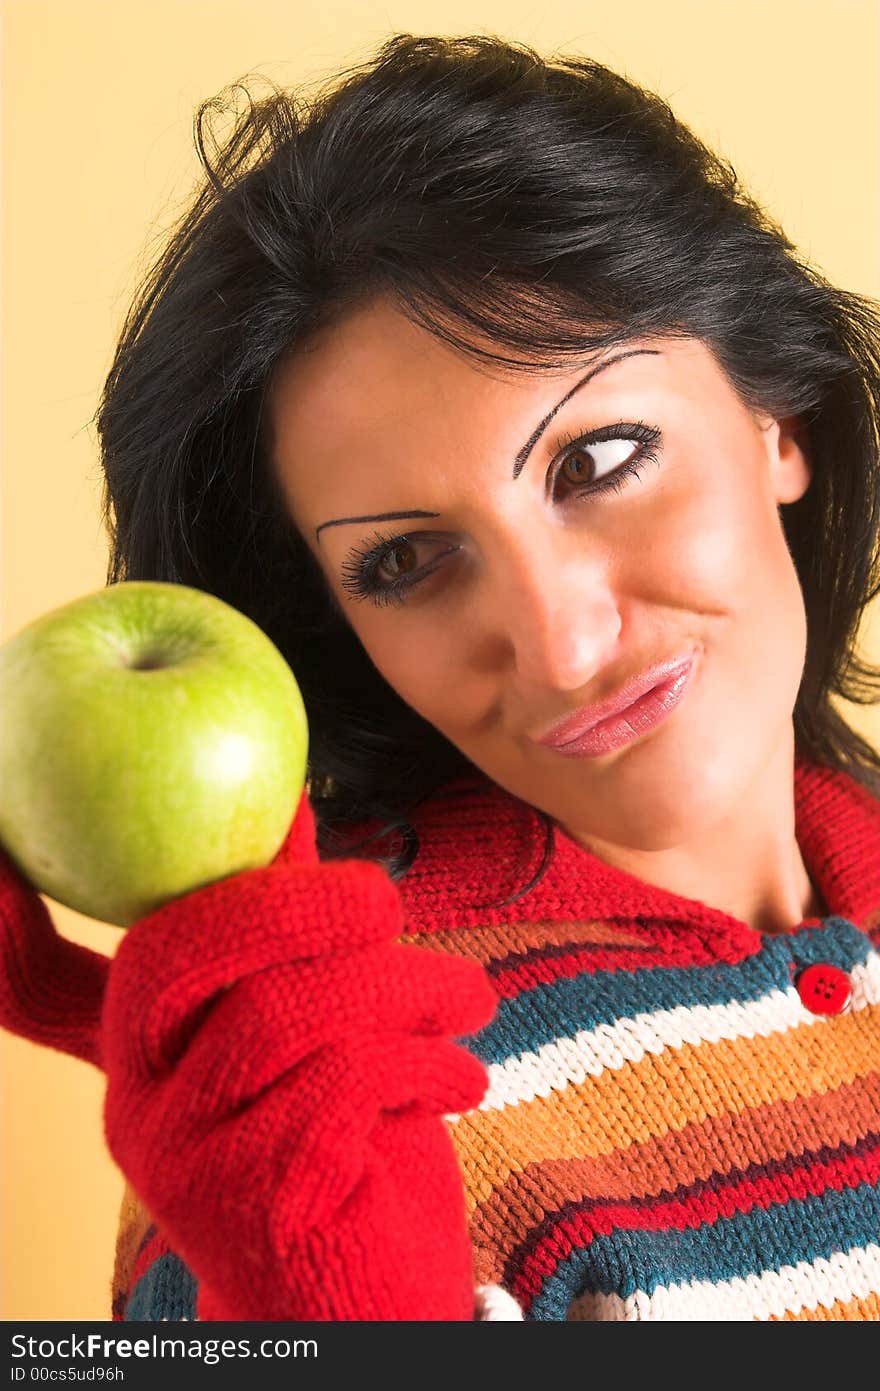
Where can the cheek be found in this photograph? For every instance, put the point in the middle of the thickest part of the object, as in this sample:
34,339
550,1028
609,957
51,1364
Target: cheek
417,662
730,563
698,544
723,539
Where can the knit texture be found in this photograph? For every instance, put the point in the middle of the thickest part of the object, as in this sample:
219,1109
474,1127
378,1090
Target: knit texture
668,1131
224,1023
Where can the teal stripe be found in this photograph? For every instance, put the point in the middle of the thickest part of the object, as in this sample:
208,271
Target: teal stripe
166,1291
748,1243
560,1009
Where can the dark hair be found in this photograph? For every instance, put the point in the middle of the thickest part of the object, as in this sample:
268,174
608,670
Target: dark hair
524,210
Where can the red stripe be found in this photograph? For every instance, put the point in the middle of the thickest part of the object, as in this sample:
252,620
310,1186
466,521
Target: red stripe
512,980
578,1229
150,1251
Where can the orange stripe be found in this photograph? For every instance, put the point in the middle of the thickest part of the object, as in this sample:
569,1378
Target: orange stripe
134,1220
488,944
642,1101
865,1310
677,1159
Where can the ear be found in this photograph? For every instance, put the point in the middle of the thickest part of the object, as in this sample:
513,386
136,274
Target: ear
788,458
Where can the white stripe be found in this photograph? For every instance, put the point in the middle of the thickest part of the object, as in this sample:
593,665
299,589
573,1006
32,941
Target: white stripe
493,1304
792,1289
569,1061
865,981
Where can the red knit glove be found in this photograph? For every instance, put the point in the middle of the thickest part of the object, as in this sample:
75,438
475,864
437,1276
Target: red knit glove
277,1072
51,989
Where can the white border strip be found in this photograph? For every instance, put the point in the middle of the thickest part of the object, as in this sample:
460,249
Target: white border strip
791,1289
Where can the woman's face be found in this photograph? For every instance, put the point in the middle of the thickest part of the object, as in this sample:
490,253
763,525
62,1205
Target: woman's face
509,590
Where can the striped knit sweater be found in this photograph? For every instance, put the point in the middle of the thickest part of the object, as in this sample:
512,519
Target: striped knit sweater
673,1128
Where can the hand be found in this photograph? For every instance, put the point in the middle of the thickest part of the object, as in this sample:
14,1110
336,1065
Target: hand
51,989
278,1069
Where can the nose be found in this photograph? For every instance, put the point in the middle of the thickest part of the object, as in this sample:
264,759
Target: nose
553,615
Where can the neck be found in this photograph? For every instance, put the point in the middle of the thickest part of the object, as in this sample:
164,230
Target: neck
748,864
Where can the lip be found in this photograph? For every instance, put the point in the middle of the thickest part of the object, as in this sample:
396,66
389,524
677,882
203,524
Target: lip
638,705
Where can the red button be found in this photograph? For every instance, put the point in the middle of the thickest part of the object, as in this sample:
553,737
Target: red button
824,989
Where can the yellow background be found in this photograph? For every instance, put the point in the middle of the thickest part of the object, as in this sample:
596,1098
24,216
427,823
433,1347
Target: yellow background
98,99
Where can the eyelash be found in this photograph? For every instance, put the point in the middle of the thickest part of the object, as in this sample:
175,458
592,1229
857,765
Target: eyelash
360,567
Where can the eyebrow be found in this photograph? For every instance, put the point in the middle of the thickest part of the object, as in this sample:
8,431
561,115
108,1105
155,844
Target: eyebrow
519,462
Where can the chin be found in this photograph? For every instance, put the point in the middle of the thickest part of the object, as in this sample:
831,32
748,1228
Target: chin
662,796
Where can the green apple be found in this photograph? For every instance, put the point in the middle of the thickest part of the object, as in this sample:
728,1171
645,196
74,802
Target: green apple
152,740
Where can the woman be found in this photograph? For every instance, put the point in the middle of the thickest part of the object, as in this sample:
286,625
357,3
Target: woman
551,470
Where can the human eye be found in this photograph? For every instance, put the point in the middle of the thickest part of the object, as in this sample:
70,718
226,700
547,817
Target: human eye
382,570
385,569
614,455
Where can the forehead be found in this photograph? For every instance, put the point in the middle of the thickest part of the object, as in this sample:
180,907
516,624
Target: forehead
375,396
376,365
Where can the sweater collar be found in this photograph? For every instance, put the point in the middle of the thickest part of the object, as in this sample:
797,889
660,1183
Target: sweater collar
479,846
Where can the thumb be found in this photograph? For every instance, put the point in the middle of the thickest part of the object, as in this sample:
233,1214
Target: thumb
299,846
51,989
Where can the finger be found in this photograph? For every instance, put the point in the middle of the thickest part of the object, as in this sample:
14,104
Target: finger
267,1022
175,959
299,845
51,989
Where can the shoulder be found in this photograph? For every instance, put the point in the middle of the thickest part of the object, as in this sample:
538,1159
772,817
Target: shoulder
479,849
471,846
838,829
